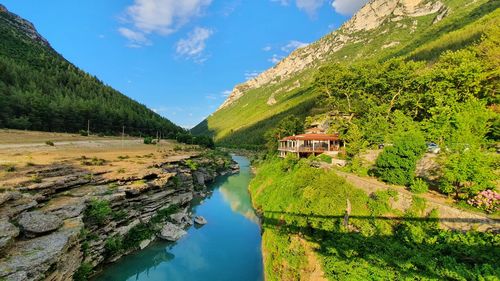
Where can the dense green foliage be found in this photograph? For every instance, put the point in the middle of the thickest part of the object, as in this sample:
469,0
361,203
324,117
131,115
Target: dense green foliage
397,163
40,90
298,201
289,126
426,76
98,211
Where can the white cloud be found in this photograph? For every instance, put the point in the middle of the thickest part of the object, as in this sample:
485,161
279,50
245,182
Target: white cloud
348,7
282,2
309,6
293,45
162,17
275,59
210,97
226,93
267,48
134,37
195,43
249,75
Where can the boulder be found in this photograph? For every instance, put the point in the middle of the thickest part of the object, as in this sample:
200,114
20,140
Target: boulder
200,220
144,243
36,223
8,232
171,232
182,218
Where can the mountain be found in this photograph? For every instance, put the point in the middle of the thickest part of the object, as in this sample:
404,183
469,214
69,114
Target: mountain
40,90
417,30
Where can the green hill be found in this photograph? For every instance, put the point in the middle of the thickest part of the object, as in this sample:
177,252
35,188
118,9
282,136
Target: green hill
383,31
40,90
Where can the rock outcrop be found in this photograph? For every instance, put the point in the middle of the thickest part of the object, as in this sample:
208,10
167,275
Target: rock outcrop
171,232
62,227
27,27
200,220
372,16
36,223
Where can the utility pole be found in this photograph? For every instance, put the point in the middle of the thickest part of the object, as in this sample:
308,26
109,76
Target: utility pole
88,127
123,134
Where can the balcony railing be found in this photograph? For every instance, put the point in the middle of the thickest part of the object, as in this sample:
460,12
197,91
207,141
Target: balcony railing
308,149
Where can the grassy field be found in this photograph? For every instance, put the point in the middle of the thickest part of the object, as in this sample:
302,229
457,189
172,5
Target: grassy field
22,153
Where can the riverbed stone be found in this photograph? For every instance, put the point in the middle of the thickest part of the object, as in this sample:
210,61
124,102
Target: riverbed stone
200,220
36,223
171,232
144,243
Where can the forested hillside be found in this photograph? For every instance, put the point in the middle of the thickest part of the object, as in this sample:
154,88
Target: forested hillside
417,64
40,90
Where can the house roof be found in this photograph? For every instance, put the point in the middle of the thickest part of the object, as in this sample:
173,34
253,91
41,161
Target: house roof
319,137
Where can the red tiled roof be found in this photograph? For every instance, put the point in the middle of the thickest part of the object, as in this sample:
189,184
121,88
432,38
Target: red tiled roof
319,137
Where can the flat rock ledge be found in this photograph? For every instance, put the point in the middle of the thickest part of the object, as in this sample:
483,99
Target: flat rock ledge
36,223
8,232
171,232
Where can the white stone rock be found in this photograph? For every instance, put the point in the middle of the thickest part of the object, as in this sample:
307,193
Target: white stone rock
200,220
171,232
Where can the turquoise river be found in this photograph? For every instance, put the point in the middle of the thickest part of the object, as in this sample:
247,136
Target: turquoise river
227,248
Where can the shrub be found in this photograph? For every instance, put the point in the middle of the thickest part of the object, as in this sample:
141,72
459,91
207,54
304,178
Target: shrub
98,211
136,235
487,200
468,171
10,168
113,246
149,140
192,165
84,133
325,158
397,163
419,186
92,162
50,143
36,178
83,272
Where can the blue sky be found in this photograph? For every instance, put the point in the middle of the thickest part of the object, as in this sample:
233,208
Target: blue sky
180,57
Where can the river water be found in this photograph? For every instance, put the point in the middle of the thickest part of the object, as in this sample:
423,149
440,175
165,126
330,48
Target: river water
227,248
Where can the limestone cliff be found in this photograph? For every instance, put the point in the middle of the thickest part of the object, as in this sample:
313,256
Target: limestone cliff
371,16
74,220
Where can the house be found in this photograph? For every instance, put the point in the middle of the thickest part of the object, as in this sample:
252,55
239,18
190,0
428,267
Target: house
309,144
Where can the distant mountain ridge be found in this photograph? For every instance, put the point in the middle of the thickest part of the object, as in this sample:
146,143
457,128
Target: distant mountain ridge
27,27
381,30
371,16
41,90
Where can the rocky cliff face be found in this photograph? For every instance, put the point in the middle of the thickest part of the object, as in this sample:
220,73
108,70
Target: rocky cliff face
25,26
372,16
75,220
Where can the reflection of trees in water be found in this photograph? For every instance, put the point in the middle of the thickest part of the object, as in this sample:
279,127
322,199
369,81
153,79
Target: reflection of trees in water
142,263
158,258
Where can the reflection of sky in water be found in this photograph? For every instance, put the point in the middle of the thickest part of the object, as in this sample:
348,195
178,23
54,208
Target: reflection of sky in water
227,248
238,198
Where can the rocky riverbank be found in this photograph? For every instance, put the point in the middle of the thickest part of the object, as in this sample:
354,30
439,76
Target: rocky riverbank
66,221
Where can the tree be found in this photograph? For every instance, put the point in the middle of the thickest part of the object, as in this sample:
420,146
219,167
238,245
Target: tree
397,163
466,171
288,126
